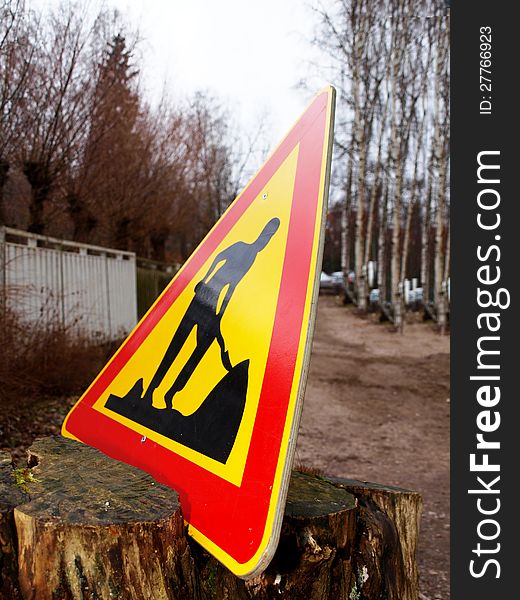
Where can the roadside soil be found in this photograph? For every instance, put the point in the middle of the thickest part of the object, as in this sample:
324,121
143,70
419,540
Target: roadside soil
377,409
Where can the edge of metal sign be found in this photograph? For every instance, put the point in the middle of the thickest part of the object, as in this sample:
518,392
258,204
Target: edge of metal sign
313,292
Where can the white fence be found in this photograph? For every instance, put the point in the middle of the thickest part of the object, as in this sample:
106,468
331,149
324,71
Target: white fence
88,289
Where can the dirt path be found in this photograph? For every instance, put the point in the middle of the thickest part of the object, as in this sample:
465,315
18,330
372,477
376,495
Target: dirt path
376,408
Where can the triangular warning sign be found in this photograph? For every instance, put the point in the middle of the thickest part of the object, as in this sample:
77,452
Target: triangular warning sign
206,392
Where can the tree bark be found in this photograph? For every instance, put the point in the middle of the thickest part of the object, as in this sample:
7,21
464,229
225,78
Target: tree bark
10,497
40,180
447,262
98,528
90,527
440,164
395,160
388,530
4,170
346,232
426,251
382,250
440,250
376,196
345,216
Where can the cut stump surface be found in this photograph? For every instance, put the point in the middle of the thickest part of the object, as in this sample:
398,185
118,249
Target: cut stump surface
76,524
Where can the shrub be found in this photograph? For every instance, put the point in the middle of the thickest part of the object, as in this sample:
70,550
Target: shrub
45,359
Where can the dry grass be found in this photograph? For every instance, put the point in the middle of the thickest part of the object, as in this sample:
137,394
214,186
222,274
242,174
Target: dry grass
308,469
44,359
44,368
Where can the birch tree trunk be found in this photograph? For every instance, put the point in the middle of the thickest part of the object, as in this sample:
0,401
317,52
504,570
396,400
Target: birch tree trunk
358,146
425,250
345,230
395,160
374,193
441,168
409,214
440,250
447,266
382,250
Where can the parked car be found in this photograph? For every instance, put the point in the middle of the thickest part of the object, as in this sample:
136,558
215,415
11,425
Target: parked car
338,282
416,298
373,299
418,294
326,282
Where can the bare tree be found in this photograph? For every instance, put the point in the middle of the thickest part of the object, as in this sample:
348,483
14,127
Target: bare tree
441,167
16,64
101,164
52,116
390,59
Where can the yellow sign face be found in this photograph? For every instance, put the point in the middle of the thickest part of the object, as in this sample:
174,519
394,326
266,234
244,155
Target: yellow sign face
206,393
253,302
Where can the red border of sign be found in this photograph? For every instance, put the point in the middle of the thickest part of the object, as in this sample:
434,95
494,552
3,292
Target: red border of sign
210,497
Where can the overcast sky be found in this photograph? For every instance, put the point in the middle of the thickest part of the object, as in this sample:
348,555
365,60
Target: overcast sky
250,53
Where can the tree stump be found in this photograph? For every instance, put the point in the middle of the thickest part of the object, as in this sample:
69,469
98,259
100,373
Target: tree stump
388,532
85,526
10,497
98,528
